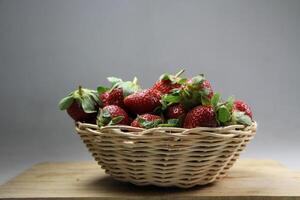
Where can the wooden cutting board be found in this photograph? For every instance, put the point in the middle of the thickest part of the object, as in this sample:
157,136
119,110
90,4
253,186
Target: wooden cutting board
252,179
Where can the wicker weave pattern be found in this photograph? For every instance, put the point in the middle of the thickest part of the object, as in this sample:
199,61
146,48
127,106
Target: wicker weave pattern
166,156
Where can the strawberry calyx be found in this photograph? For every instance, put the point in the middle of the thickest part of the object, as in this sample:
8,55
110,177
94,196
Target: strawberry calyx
170,99
174,79
243,107
147,123
190,94
222,109
225,114
86,98
106,119
239,117
173,122
167,83
195,82
128,87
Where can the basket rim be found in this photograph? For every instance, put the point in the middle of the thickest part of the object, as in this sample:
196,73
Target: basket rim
232,130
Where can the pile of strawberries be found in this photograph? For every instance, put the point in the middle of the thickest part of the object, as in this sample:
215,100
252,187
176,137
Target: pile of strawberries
173,101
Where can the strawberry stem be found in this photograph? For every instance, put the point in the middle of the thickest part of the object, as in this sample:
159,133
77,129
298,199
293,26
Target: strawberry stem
179,73
80,90
135,80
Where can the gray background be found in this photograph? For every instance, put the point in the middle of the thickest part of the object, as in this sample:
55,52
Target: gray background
247,48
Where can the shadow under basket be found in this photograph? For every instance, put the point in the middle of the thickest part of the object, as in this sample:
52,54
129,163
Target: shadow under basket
166,156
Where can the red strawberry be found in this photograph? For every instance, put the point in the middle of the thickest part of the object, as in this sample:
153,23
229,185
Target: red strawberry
119,89
147,121
242,107
113,97
112,115
167,82
77,113
82,104
143,102
165,86
175,111
204,85
200,116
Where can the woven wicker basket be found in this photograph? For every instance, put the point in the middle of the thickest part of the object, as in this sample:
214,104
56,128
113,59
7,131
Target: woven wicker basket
166,156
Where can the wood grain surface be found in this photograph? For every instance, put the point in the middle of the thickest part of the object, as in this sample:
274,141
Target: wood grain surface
250,179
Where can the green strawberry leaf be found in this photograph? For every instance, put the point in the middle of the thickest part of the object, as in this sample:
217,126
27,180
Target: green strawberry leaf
129,87
215,99
114,80
102,89
171,123
205,91
242,118
116,120
181,81
103,118
88,99
205,100
197,80
192,100
186,93
149,124
169,99
175,79
95,96
66,102
223,114
105,113
229,103
88,104
165,77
